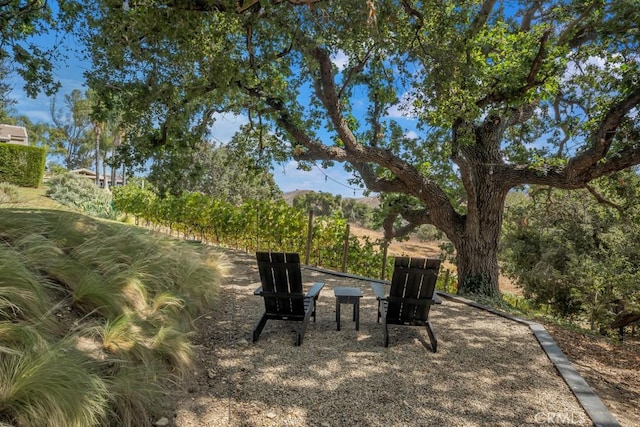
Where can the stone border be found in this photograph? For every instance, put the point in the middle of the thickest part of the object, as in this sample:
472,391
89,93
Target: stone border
588,399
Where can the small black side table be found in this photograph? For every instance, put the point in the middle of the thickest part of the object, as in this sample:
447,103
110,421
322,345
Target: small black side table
348,296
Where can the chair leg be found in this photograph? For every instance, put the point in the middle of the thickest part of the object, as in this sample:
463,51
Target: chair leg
305,322
385,331
432,337
259,326
313,314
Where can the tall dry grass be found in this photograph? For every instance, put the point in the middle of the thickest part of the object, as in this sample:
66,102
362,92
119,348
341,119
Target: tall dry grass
94,317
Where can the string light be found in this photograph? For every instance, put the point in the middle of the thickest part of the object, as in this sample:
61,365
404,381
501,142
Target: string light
327,177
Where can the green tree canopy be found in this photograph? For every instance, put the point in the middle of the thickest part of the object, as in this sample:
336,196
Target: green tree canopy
212,170
502,94
21,23
72,134
575,252
321,203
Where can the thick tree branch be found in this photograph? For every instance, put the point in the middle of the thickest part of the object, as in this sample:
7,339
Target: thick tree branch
376,128
481,18
411,11
377,184
603,136
527,16
390,231
563,177
603,200
329,96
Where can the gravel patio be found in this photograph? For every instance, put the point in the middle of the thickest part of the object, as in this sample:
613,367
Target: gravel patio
488,371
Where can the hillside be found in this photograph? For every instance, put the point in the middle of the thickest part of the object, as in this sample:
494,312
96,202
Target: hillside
95,315
609,367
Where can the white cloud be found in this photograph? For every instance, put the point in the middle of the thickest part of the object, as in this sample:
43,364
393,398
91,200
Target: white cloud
403,109
340,60
39,109
411,135
226,125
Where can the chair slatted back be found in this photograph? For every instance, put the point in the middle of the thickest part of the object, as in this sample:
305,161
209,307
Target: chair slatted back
412,287
281,283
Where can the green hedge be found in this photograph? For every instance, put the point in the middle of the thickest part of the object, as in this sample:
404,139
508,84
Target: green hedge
22,165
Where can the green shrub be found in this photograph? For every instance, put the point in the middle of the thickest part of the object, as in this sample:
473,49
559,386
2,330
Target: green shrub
81,193
428,233
22,165
573,255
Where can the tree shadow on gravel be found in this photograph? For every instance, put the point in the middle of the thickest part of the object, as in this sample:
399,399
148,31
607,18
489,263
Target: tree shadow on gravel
487,371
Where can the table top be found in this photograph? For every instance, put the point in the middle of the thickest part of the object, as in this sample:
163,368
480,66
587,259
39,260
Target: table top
347,292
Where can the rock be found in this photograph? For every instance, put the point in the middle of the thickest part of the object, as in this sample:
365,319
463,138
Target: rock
325,424
243,341
162,422
270,415
208,317
211,373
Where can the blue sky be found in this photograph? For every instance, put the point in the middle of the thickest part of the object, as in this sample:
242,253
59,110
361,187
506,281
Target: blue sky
70,74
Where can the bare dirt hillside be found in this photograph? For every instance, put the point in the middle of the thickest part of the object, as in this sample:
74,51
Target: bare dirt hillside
415,247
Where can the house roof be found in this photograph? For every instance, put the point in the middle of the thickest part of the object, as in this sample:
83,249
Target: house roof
13,134
85,172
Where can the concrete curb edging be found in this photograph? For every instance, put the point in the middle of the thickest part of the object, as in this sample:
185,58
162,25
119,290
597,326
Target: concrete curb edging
589,400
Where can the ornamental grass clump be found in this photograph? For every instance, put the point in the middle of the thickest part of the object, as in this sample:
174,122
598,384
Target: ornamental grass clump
95,317
50,384
9,193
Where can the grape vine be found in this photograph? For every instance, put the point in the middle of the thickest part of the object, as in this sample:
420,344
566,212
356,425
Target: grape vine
255,225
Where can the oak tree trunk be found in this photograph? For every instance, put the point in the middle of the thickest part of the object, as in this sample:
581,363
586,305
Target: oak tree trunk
477,245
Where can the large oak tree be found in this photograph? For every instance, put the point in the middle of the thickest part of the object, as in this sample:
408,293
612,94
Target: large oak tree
23,25
502,93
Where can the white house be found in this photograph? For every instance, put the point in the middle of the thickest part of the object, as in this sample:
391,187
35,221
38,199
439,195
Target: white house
13,135
89,174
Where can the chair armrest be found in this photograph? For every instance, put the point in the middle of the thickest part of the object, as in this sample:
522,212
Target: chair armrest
378,290
258,291
315,290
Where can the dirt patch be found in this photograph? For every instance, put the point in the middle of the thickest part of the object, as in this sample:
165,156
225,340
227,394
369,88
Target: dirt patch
610,369
416,247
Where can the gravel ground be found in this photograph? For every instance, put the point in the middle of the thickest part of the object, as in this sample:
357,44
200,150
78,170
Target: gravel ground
488,371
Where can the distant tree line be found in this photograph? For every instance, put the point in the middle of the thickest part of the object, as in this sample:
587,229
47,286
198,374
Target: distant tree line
327,204
577,251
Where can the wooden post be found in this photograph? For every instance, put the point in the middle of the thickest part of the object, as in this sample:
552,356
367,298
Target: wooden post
345,249
309,238
385,246
446,279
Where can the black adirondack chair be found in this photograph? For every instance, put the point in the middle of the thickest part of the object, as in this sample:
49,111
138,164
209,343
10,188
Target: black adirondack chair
282,292
411,295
